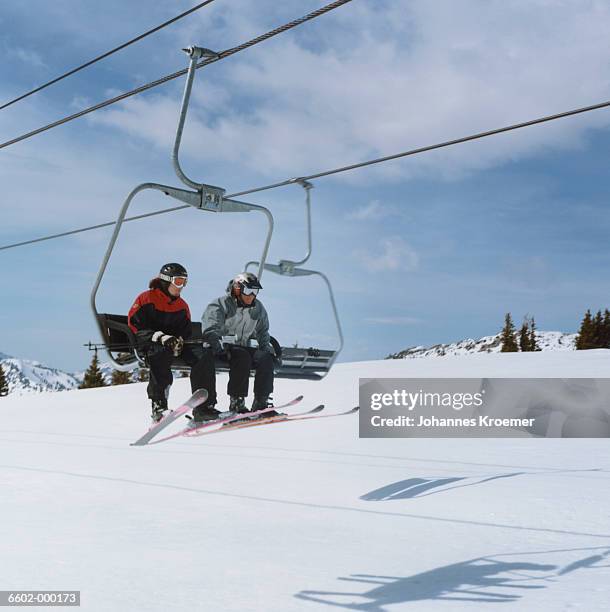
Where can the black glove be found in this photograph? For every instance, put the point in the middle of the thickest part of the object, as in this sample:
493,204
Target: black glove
173,343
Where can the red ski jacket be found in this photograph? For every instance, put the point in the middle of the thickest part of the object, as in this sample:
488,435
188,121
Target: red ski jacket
154,311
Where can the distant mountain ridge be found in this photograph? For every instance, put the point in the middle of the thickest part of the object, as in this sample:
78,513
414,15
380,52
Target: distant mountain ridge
25,376
547,341
28,376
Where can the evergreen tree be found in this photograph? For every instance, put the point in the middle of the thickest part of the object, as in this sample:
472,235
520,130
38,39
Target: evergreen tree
3,383
93,376
598,330
606,329
533,341
586,335
509,344
524,337
143,375
120,378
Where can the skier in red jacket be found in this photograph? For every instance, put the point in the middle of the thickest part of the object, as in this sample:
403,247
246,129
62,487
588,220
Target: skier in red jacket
161,321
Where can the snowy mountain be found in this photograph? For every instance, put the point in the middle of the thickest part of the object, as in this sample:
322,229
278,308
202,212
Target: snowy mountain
304,516
547,341
25,376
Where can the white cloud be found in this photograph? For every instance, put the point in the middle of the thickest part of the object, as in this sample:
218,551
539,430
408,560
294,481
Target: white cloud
419,73
393,254
26,56
393,320
378,210
372,210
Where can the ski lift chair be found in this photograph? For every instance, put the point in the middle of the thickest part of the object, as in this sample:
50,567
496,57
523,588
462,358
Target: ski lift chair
294,362
118,340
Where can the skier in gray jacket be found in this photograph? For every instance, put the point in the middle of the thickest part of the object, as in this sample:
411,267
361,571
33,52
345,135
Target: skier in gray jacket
240,314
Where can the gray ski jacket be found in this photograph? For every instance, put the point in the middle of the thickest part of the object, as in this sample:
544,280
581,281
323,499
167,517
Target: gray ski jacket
225,317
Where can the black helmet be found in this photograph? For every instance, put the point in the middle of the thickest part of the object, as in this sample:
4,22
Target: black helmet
172,270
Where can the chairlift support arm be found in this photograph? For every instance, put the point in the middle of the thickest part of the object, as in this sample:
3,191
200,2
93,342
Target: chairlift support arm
287,267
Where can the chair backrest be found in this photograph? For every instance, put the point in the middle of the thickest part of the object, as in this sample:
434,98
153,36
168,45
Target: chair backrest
117,334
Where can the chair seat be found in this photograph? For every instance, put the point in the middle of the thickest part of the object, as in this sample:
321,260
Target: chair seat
292,362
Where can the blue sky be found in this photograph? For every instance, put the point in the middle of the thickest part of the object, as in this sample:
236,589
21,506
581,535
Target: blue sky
428,249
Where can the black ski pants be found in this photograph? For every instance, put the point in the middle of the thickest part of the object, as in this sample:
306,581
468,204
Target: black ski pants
241,360
159,359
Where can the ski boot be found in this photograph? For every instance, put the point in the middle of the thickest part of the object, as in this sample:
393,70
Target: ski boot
238,406
203,414
260,403
159,409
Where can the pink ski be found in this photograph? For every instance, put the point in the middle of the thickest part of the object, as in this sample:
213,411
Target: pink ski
197,398
189,432
310,414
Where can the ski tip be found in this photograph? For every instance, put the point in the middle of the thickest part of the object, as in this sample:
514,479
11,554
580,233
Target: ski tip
318,408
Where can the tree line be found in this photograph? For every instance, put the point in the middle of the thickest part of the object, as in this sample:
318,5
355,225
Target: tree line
525,340
594,333
94,377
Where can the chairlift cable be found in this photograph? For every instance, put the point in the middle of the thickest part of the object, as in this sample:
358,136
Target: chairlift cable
93,227
106,54
356,166
169,77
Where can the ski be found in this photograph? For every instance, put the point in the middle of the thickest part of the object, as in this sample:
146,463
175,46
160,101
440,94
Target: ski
310,414
273,419
189,432
197,398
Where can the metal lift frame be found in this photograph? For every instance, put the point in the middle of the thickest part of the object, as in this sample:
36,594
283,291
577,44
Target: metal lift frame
287,267
205,197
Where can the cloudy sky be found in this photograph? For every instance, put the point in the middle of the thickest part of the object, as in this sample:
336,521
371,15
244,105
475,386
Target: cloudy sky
432,248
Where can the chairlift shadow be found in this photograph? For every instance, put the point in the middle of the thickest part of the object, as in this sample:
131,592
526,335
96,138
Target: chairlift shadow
421,487
486,579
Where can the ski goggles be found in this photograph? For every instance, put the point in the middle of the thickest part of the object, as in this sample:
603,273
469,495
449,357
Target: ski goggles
249,290
178,281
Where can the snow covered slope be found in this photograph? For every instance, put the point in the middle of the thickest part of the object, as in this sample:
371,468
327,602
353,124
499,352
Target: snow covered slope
547,341
303,516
